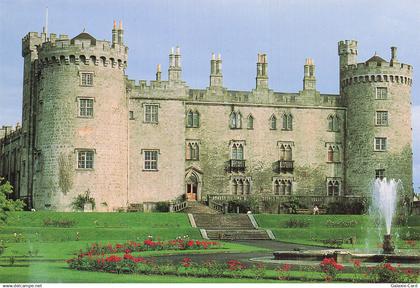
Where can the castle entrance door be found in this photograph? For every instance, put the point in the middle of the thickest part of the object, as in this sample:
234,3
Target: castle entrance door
192,188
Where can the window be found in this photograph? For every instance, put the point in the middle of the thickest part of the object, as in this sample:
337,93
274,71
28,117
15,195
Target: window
235,120
250,122
193,151
237,151
287,122
193,119
333,187
333,153
333,123
151,113
131,115
86,107
150,160
382,118
273,122
86,79
381,93
380,144
282,187
286,152
241,185
380,173
85,159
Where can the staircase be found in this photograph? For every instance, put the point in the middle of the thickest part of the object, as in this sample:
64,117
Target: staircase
195,207
229,227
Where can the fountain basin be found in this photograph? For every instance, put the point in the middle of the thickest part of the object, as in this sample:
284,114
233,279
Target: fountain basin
344,256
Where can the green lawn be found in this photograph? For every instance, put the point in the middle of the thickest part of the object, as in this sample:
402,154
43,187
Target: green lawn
53,245
317,229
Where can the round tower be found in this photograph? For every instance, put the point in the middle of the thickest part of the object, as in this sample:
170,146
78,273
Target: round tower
81,140
377,94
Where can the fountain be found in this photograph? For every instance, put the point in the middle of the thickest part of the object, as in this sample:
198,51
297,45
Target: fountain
384,203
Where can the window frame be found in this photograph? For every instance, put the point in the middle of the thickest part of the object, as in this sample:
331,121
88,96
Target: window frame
82,99
84,80
84,162
336,185
382,145
151,120
152,168
379,121
380,173
287,122
273,122
250,122
192,151
380,95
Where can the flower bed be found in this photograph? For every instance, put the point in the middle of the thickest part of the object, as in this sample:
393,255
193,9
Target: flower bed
147,245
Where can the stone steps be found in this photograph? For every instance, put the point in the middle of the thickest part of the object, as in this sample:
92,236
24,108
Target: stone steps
195,207
220,221
238,234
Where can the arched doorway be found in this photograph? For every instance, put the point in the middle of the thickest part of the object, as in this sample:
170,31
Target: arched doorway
192,188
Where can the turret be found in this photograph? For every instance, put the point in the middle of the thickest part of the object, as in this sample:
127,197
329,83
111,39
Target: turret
377,94
262,76
114,34
174,71
158,73
347,50
80,82
216,76
120,34
309,80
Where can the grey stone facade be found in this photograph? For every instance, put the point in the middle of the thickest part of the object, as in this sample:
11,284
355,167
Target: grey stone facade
87,127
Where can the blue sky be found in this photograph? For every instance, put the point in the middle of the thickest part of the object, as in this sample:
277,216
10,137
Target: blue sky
288,31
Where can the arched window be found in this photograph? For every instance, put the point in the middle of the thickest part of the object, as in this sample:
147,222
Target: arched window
190,117
330,123
288,189
330,154
192,151
287,122
235,120
333,188
288,153
273,122
237,151
196,119
333,123
250,122
282,152
193,119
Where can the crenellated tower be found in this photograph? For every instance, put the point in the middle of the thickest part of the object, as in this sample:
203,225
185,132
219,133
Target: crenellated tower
377,94
77,119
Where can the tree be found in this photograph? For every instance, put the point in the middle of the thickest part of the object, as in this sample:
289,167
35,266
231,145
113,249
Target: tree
7,205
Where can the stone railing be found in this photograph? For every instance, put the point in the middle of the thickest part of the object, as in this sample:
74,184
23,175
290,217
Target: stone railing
177,206
216,206
307,200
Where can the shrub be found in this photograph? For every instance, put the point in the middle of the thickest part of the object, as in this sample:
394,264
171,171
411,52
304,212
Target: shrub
79,202
59,223
296,223
7,205
346,207
386,273
330,268
341,223
162,207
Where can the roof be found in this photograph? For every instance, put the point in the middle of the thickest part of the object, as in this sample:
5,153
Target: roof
84,36
376,59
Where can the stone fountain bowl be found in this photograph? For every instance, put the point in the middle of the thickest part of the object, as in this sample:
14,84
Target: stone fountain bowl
344,256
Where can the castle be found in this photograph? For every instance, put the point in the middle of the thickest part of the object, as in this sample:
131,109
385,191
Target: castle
87,127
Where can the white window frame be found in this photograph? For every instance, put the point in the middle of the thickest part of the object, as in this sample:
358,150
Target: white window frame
380,120
151,116
380,144
338,181
380,95
150,164
86,79
86,107
83,163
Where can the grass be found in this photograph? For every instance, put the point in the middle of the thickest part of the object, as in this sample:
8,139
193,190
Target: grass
54,245
318,230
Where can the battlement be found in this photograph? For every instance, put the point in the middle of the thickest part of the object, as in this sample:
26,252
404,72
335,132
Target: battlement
347,47
63,50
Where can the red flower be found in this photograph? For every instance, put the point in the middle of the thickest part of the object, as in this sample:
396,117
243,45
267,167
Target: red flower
389,267
186,262
190,243
113,258
356,263
286,267
127,251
